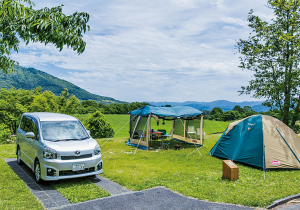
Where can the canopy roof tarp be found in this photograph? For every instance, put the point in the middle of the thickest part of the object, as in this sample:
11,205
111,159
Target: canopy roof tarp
169,112
187,124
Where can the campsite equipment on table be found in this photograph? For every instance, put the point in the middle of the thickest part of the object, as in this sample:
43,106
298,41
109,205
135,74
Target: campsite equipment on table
261,141
230,170
182,117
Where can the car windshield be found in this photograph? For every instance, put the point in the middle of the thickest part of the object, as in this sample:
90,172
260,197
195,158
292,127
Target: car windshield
63,131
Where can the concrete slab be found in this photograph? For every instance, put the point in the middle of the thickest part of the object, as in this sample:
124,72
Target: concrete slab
45,193
151,199
110,186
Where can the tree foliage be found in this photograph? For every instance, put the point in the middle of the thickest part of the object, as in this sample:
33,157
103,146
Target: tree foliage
272,52
14,102
46,25
98,126
235,114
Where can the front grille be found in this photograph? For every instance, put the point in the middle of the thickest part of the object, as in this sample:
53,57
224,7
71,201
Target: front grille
76,157
70,172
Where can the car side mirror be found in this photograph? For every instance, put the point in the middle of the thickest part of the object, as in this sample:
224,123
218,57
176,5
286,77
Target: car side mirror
89,132
30,135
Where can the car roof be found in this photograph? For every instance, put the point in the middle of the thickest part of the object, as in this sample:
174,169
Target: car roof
48,116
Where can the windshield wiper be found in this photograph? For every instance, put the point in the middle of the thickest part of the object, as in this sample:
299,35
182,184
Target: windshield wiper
64,140
84,138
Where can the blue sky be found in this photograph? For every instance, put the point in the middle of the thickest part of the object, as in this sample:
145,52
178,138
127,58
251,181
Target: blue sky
153,50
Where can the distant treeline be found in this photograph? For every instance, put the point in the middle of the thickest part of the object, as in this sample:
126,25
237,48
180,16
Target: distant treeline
90,106
14,102
235,114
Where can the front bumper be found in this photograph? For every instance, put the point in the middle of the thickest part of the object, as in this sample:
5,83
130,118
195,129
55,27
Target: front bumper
56,169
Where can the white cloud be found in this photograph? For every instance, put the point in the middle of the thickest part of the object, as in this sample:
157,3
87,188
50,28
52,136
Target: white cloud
173,50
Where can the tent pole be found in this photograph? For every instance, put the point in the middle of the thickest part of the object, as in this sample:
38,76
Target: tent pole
137,122
201,130
184,127
140,140
264,163
148,126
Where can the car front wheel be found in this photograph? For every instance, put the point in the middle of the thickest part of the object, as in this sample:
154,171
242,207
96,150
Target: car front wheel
37,172
19,161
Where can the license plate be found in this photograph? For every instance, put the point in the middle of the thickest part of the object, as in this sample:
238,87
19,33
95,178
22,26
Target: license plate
78,167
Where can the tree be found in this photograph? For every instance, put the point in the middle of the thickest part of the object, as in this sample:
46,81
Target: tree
237,108
98,126
44,102
231,115
272,51
216,113
47,25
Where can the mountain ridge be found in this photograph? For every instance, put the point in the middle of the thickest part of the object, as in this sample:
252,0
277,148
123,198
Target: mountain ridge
223,104
29,78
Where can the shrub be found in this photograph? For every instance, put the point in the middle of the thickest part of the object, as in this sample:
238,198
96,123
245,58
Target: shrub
98,126
5,134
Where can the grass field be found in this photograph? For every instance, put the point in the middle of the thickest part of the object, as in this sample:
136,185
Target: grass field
191,174
120,123
184,171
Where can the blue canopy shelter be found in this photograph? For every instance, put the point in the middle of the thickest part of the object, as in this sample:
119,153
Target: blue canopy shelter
187,124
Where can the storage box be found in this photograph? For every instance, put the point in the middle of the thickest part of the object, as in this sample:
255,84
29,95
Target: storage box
230,170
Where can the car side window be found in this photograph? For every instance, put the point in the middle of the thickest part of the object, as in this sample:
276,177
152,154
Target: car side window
34,129
30,125
22,124
27,125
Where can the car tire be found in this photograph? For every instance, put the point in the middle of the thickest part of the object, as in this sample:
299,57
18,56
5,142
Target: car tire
19,161
37,172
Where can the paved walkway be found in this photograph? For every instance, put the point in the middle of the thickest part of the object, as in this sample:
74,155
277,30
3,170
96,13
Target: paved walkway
153,199
158,198
111,187
45,193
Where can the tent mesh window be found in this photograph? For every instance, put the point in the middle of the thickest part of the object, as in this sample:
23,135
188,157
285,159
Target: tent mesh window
196,124
141,125
178,127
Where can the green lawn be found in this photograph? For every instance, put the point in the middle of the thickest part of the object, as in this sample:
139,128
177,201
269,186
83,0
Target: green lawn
14,194
194,175
184,171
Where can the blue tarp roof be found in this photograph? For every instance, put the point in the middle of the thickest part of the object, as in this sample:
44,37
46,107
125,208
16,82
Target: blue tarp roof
178,111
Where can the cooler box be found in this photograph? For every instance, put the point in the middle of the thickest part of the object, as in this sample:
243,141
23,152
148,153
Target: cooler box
230,170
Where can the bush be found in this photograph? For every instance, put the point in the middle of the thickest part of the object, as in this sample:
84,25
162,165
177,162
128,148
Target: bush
5,134
98,126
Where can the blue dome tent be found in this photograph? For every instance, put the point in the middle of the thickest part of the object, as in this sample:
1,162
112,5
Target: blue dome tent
261,141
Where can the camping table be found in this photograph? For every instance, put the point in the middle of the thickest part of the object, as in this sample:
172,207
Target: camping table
157,133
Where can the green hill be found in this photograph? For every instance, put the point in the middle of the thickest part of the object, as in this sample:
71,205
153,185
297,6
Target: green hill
29,78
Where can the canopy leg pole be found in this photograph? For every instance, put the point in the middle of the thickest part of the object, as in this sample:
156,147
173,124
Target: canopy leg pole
141,138
201,130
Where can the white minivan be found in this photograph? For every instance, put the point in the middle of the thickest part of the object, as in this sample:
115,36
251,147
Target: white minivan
57,146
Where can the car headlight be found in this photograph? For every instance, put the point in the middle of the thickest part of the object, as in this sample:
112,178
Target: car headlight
97,150
49,153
